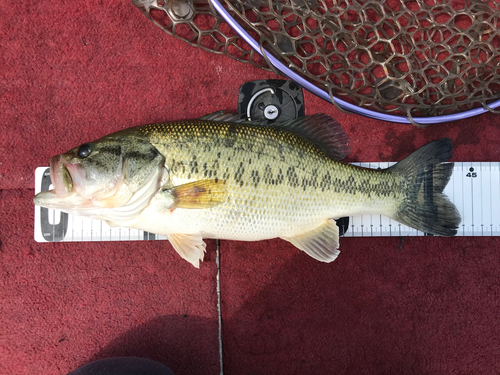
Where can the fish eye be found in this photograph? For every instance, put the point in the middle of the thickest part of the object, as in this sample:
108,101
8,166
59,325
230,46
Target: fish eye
84,150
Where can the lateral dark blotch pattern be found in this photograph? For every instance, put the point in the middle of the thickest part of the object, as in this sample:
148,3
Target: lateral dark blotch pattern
293,179
326,182
268,175
280,177
193,165
255,178
239,174
178,167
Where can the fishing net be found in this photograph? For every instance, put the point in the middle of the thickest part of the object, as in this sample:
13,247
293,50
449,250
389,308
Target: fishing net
401,57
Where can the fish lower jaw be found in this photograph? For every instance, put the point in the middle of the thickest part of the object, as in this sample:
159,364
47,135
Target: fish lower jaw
49,199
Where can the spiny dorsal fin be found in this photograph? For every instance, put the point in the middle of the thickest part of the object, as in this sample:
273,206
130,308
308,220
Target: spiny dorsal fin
319,129
224,116
323,131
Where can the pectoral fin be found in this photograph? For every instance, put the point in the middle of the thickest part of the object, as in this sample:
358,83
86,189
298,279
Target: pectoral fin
198,194
320,243
189,246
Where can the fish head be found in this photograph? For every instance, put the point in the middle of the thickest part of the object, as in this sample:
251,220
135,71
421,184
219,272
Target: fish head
106,173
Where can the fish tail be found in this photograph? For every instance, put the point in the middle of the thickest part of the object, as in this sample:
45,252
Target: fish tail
424,206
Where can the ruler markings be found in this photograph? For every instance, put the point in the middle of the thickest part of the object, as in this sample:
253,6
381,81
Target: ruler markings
458,187
471,169
496,196
483,188
471,198
492,195
493,173
477,192
490,221
463,199
371,216
495,206
479,202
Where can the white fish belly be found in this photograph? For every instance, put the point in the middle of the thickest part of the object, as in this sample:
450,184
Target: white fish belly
244,223
253,217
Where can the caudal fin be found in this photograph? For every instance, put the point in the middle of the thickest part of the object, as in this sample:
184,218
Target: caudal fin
424,206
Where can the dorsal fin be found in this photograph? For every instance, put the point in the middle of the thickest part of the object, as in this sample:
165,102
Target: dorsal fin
319,129
224,116
323,131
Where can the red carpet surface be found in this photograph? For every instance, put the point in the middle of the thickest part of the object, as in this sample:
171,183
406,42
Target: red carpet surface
73,72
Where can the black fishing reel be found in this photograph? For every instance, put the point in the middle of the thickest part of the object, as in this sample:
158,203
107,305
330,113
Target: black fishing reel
276,100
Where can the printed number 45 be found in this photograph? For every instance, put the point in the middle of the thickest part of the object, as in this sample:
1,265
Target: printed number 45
471,173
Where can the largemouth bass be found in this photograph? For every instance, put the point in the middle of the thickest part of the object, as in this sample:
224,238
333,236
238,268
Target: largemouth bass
221,177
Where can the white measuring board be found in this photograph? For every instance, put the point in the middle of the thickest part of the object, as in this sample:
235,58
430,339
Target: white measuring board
474,188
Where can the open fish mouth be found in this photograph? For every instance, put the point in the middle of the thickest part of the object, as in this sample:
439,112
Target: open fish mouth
67,179
64,176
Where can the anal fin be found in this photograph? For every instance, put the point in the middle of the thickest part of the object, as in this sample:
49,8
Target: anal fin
321,243
191,247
